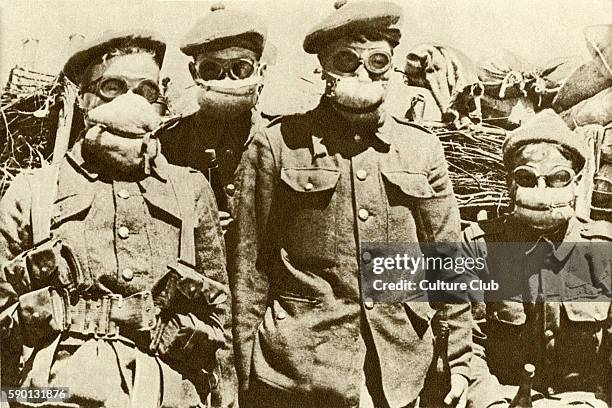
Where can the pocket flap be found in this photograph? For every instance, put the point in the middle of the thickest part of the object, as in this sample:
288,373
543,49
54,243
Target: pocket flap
412,184
587,311
310,180
508,312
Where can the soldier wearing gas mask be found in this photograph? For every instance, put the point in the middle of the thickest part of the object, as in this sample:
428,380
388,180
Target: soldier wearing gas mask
311,188
228,63
553,307
227,67
113,262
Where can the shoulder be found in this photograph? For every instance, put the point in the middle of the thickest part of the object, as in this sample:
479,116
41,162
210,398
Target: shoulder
176,128
412,126
290,130
409,134
487,230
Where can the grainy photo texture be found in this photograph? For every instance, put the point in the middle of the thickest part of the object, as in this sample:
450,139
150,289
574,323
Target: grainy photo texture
306,204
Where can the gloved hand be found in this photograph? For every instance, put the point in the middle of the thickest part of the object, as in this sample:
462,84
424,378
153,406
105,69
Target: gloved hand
187,339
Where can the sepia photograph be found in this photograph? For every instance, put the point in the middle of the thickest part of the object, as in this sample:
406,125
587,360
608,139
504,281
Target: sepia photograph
306,204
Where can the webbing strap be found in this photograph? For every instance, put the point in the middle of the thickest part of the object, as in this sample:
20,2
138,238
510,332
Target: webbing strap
186,202
44,190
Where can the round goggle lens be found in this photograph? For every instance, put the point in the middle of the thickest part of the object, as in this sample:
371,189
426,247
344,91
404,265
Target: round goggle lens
242,69
210,70
148,90
112,87
525,178
379,62
346,61
560,178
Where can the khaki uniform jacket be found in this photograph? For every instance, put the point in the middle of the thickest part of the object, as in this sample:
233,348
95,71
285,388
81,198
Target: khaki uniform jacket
184,145
124,235
568,337
309,192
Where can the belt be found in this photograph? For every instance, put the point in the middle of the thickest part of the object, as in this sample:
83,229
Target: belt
105,317
51,309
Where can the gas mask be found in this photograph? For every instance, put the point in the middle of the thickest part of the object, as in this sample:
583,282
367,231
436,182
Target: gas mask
228,88
119,136
356,97
543,208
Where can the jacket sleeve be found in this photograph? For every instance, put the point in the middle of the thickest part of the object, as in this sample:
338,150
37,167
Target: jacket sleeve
438,223
247,268
210,246
15,237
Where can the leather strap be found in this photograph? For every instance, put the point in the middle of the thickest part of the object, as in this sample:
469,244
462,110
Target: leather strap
186,203
44,190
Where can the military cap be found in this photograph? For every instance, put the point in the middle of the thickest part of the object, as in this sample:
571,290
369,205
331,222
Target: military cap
548,127
355,17
222,27
92,52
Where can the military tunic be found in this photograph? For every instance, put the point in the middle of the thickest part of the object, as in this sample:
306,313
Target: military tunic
309,191
555,312
124,234
185,143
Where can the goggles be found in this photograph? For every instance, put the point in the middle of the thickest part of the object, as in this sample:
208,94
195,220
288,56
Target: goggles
347,60
110,87
215,69
526,177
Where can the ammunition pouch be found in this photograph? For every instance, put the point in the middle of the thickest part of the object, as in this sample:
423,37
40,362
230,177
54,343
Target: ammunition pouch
46,312
52,263
188,324
183,290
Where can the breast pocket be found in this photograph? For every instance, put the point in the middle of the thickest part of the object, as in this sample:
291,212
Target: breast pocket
403,185
405,190
309,212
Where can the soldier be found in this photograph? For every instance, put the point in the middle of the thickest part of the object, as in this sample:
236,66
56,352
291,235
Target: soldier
226,47
90,282
553,306
313,186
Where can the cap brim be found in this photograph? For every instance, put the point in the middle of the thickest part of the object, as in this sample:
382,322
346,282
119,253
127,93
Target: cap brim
94,51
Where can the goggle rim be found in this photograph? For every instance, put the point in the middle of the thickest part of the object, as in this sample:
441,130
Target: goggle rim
573,175
227,67
363,59
97,85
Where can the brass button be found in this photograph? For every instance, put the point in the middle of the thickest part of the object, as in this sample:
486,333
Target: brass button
548,334
123,194
281,314
357,138
308,186
368,304
363,214
230,189
127,274
366,256
362,174
123,232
